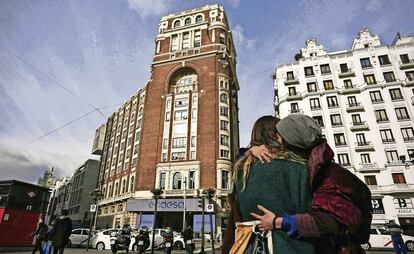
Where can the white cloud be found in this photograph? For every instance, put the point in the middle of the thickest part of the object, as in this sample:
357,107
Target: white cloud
374,5
146,8
240,38
235,3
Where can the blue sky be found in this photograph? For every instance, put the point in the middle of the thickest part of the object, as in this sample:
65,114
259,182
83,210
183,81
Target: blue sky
102,49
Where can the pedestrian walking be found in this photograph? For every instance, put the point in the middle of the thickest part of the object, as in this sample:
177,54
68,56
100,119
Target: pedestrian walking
187,234
397,241
40,235
126,235
61,232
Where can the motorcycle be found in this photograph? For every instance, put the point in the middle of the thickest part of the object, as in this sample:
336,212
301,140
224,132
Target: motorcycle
188,240
189,246
168,242
116,242
142,243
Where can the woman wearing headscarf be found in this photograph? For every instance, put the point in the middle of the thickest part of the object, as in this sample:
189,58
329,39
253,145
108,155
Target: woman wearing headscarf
340,219
280,186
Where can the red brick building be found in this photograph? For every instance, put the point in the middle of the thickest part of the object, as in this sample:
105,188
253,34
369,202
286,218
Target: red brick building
180,132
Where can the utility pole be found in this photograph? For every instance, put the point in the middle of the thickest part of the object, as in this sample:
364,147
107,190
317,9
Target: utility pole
156,194
96,195
203,204
210,194
185,199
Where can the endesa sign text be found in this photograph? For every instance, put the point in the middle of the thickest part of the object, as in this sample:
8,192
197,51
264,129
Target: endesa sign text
164,205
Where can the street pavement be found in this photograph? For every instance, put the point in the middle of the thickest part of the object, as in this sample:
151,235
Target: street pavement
208,251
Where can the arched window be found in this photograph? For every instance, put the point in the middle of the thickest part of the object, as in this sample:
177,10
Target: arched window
177,23
222,37
132,183
110,191
187,21
116,189
223,98
123,186
183,80
199,18
177,181
140,110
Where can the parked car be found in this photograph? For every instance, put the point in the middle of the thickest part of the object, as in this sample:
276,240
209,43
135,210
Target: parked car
79,237
101,240
380,238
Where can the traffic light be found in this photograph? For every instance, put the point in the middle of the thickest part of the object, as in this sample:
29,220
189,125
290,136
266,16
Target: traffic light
200,203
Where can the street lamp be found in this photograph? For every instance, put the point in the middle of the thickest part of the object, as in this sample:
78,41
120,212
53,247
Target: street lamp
96,195
203,205
210,192
156,194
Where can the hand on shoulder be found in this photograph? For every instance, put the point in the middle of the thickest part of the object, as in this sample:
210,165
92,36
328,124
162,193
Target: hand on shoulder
262,153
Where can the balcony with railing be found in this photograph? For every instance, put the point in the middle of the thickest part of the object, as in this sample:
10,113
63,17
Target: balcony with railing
337,124
293,96
364,146
383,120
377,101
409,81
333,105
388,140
408,139
368,167
291,80
340,144
403,118
395,165
359,126
346,73
296,111
398,188
179,192
354,107
409,63
374,188
315,108
115,199
350,90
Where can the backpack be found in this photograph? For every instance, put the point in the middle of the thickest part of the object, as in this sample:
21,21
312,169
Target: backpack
361,197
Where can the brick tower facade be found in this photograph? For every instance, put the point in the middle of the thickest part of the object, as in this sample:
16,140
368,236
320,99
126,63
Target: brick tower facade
180,131
190,126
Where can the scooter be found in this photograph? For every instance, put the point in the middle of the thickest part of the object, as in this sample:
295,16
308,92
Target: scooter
116,242
189,246
168,243
142,243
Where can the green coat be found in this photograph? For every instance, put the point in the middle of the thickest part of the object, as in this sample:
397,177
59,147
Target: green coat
282,187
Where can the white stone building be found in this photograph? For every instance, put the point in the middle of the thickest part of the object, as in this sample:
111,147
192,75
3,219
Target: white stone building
363,100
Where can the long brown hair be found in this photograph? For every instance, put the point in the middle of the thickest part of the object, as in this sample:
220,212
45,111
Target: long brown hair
263,133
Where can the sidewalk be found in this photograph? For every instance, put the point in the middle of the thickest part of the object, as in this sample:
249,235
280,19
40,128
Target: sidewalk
28,250
94,251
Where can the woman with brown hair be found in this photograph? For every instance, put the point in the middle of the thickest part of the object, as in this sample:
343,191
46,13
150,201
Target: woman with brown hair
281,186
341,213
